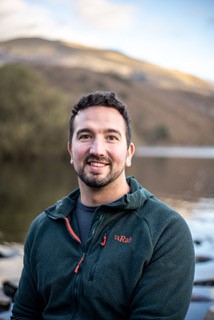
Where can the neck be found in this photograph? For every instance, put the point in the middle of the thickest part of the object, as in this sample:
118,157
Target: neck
98,196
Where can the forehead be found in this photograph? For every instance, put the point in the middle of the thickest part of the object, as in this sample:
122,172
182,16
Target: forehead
99,117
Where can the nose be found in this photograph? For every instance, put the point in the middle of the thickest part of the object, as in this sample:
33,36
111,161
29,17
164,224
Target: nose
97,147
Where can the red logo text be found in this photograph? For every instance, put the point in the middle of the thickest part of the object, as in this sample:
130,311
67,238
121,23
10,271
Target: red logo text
123,239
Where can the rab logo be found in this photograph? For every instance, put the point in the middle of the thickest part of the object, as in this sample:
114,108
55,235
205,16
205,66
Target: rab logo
123,239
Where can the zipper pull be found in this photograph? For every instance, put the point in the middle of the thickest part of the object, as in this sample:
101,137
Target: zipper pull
103,243
76,270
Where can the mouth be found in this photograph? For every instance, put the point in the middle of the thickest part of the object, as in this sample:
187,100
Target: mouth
97,164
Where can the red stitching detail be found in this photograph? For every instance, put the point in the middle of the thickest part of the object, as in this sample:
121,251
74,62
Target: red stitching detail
71,230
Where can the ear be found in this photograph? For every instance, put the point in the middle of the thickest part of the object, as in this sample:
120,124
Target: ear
69,147
130,153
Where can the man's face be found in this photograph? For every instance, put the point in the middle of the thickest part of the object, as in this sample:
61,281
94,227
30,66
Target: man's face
98,149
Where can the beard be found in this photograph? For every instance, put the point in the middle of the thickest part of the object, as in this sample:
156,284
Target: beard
94,179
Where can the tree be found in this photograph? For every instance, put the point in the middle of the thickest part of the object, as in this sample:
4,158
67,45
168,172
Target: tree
33,114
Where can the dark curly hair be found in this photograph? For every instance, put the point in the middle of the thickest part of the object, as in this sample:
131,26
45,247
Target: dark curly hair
101,98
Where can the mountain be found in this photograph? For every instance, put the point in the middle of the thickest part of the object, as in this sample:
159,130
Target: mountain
42,51
167,106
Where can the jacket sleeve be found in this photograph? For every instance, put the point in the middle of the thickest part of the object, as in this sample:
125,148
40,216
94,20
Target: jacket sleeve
165,286
27,302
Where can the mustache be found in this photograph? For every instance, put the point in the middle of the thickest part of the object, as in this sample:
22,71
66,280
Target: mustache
92,157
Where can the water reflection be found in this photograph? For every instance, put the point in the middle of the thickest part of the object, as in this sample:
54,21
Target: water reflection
184,179
186,184
26,189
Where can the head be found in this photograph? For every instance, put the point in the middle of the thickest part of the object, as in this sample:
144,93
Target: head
100,144
101,98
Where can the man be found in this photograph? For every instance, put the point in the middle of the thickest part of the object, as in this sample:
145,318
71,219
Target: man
109,250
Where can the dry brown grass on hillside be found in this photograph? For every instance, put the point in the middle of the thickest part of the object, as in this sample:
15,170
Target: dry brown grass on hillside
72,55
159,116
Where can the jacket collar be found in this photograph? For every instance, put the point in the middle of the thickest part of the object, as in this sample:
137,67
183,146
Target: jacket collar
133,200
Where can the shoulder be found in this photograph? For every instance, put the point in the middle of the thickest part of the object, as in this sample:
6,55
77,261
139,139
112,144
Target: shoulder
36,224
162,220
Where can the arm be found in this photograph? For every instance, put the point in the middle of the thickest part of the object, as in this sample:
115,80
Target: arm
165,287
27,302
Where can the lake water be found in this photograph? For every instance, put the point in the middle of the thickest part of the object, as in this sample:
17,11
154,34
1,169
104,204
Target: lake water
185,183
28,188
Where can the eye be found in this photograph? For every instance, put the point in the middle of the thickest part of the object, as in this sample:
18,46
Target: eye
112,138
84,137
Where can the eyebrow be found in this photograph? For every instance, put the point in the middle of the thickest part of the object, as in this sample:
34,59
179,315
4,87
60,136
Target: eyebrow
87,130
83,130
113,131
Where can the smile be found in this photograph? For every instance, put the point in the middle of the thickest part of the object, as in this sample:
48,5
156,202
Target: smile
97,164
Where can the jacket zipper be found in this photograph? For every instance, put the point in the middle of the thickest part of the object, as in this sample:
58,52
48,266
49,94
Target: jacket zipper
99,253
77,268
81,261
77,283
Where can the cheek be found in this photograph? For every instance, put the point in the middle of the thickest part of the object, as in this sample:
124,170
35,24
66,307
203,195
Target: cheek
120,157
79,153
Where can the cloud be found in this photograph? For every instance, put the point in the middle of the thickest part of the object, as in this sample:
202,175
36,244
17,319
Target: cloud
8,6
64,19
19,18
105,13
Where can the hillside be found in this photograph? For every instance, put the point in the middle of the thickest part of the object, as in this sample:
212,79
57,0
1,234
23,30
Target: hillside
159,115
42,51
167,107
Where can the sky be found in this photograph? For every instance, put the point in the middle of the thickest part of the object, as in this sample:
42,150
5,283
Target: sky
174,34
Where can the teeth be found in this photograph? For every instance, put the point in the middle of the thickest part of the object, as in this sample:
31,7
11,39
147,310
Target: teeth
97,164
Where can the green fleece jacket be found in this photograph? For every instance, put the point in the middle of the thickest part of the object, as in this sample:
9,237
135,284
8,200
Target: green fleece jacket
138,263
